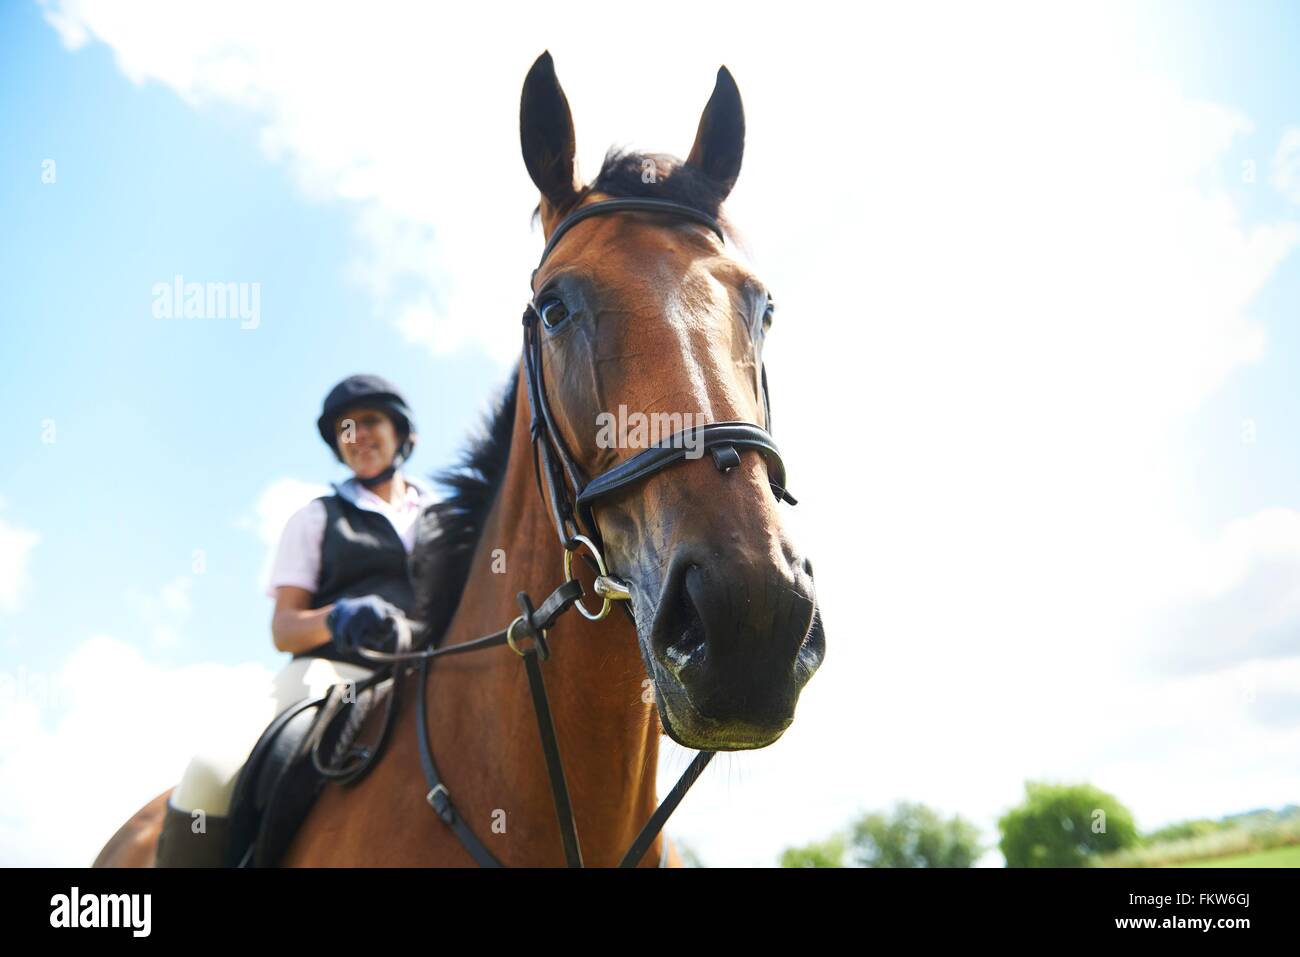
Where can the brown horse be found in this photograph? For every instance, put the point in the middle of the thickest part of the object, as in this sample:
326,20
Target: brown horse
646,313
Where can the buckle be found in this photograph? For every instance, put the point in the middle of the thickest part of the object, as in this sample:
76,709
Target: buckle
440,801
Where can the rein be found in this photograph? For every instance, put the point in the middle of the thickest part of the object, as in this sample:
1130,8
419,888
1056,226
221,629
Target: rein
576,527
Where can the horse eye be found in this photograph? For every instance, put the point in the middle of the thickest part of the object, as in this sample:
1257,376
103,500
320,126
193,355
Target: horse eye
553,313
767,315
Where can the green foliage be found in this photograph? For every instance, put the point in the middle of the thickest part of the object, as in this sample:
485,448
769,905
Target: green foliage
1064,825
1247,837
1182,831
828,853
914,836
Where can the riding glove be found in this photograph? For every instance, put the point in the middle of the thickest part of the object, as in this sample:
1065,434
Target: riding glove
368,622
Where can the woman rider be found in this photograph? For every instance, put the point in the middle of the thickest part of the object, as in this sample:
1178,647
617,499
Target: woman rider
339,580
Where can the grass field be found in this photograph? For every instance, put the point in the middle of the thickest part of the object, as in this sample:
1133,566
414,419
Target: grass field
1277,857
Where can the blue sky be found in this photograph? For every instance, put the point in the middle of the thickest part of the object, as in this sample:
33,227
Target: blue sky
166,431
1020,260
1244,55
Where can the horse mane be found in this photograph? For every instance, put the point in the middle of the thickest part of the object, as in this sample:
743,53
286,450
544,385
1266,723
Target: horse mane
449,529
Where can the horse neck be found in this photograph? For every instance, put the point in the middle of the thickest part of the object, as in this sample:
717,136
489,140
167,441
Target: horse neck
595,683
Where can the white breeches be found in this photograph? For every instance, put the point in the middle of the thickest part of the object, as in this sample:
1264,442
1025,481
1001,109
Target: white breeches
209,780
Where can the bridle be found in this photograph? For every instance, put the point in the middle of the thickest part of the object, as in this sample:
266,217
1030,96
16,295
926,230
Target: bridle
571,496
572,513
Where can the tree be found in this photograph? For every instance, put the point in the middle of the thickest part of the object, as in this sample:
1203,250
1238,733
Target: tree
1064,825
828,853
914,836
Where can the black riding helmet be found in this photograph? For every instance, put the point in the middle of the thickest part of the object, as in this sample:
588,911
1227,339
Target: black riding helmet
368,392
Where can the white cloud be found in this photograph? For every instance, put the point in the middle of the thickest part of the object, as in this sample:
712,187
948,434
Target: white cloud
421,324
1286,165
83,748
1012,293
1241,599
275,504
997,246
16,546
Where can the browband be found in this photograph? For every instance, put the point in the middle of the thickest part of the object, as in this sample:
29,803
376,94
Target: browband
638,204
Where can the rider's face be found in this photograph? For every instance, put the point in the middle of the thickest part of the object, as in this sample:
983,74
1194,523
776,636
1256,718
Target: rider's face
367,440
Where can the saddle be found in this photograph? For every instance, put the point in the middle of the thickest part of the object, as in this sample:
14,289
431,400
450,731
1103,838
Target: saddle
303,749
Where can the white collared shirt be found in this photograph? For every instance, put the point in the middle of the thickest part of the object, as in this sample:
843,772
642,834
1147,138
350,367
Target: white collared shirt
298,556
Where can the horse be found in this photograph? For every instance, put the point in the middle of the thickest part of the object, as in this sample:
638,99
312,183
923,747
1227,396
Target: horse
639,307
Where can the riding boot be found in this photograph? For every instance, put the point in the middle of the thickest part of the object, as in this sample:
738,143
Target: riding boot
180,846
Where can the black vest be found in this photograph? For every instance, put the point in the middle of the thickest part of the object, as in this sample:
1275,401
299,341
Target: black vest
360,554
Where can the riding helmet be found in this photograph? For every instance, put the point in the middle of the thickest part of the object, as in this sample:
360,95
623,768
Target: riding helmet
369,392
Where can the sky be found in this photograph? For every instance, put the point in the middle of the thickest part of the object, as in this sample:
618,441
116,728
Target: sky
1033,372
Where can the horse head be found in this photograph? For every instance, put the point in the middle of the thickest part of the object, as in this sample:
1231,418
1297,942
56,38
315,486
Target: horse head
646,327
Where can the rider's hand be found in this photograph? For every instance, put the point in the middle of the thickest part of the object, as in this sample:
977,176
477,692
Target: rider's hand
368,622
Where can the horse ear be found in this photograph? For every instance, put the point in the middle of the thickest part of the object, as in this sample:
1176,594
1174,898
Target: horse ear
720,140
546,134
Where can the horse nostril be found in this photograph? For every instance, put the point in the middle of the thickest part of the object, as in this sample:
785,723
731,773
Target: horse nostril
682,642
